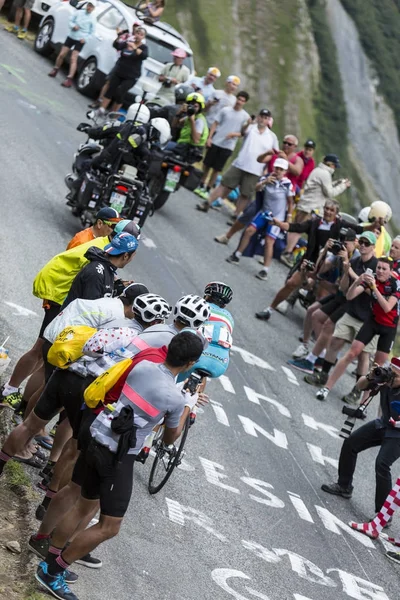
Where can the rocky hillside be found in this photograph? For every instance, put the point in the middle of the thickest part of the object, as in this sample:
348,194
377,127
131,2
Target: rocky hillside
326,68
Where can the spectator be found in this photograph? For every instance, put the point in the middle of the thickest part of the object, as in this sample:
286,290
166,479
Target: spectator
318,189
395,255
278,193
222,98
173,74
152,11
288,152
23,8
205,85
245,170
82,25
222,139
171,112
104,224
127,69
306,156
193,129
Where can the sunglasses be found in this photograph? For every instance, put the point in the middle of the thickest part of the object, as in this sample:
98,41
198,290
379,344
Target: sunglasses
365,243
287,143
109,223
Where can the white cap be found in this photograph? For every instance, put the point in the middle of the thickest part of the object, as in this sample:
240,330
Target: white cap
282,163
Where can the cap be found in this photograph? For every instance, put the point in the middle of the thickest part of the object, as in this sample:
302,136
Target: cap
310,143
134,290
108,214
123,242
214,71
129,227
350,236
332,158
395,362
179,53
282,163
368,235
264,112
233,79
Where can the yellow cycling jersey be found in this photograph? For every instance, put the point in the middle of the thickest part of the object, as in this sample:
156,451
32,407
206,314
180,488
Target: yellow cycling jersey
55,278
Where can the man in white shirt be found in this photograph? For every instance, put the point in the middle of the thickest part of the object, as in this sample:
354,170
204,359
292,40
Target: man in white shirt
245,170
222,98
205,85
222,139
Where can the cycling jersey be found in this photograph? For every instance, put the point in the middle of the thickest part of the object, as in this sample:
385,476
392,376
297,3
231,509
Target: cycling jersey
221,314
153,337
389,288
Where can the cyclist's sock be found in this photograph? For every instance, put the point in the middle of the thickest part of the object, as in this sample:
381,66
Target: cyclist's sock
327,366
323,353
4,458
311,358
238,254
48,497
58,566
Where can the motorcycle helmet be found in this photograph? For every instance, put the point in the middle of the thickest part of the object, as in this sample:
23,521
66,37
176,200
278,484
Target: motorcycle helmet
181,92
364,214
192,310
161,127
151,307
139,113
198,98
380,210
219,291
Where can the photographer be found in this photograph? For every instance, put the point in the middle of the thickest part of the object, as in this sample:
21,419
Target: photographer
379,432
319,230
191,122
173,74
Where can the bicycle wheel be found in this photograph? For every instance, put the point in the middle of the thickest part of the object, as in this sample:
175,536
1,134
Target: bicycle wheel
164,463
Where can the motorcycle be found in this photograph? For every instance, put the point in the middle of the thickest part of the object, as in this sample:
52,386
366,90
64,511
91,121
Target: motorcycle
169,170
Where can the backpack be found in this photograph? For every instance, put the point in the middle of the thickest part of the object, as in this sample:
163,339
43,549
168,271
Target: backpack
68,345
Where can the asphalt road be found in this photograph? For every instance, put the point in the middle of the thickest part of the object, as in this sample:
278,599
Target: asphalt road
245,518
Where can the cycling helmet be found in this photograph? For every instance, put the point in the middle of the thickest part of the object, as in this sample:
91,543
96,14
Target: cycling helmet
196,97
364,214
219,290
160,129
181,92
151,307
139,113
380,210
192,310
128,227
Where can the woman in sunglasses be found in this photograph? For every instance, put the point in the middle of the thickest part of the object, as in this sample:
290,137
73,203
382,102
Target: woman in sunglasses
289,153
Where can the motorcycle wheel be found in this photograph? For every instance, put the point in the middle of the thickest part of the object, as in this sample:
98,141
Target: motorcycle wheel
157,193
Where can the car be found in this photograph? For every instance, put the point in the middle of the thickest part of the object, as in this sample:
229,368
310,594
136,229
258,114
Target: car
98,57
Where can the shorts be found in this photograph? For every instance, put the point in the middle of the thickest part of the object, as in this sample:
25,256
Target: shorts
106,481
63,390
301,216
48,368
347,329
386,335
50,312
261,222
118,87
235,177
216,157
73,44
334,306
28,4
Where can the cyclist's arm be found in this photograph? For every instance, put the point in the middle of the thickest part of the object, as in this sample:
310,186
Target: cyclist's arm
172,433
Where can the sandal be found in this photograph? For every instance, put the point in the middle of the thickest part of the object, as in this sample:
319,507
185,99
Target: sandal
33,461
45,441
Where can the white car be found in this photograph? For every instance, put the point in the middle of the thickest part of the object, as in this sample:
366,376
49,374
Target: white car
97,57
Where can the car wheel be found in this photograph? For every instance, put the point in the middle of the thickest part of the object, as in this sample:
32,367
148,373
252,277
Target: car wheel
89,79
43,43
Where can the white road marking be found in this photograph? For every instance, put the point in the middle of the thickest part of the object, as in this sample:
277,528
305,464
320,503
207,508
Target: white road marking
214,476
313,424
305,568
251,359
334,524
250,427
148,242
290,375
318,457
220,414
255,398
221,576
21,310
359,588
179,514
300,507
263,487
226,384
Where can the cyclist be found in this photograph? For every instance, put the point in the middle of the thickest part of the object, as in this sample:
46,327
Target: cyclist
104,223
152,393
192,124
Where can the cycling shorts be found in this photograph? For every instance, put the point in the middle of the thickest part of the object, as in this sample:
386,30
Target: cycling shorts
334,306
261,222
51,310
386,335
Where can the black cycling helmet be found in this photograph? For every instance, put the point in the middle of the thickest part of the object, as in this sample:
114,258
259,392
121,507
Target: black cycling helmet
181,92
219,291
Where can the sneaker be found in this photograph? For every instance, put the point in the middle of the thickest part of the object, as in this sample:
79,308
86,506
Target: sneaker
322,394
264,315
216,205
221,239
90,561
70,576
40,512
11,399
198,190
231,222
21,35
204,194
263,275
67,82
394,556
203,207
56,585
337,490
39,547
283,307
287,259
353,397
318,364
233,259
11,28
301,351
317,378
53,72
302,364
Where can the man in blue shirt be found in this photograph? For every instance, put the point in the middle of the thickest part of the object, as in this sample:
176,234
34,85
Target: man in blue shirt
82,25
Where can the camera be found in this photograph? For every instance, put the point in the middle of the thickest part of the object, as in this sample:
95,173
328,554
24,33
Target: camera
167,83
381,375
308,265
338,245
190,110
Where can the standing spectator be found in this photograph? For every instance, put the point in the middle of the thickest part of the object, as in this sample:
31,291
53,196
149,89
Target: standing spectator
222,139
306,156
127,69
82,25
23,9
152,11
319,188
205,85
173,74
245,170
222,98
288,152
104,224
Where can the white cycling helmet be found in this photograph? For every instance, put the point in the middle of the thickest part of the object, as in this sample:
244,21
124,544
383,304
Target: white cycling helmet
192,310
151,307
380,210
163,128
139,113
364,214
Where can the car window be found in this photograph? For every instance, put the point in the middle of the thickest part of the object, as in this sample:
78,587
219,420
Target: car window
161,52
112,19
